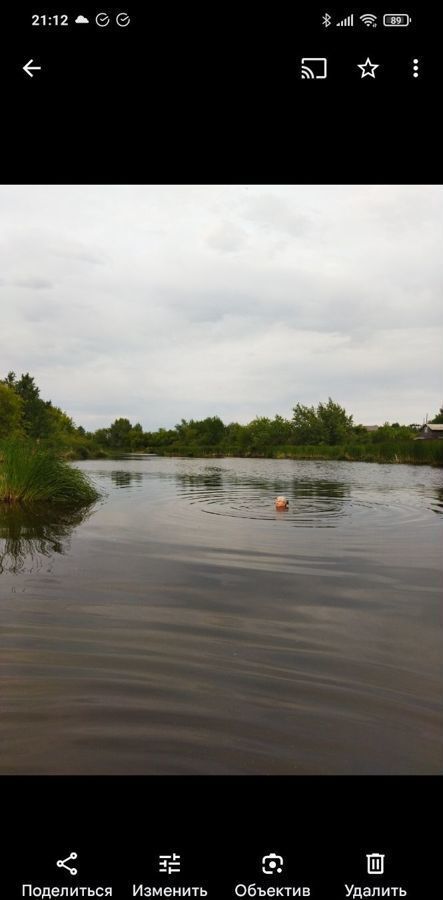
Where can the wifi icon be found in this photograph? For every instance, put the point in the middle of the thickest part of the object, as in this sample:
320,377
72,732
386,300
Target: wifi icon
369,20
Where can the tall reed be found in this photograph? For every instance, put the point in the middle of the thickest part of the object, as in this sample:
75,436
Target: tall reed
29,474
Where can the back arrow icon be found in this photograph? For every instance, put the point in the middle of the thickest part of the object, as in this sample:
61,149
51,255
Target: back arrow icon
28,67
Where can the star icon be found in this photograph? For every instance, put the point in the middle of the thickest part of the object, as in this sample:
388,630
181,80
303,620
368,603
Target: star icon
368,68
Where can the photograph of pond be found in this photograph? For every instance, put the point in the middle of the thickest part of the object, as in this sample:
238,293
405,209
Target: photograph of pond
221,483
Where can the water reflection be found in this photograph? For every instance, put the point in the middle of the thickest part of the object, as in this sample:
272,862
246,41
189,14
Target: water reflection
437,501
212,477
28,535
126,479
188,628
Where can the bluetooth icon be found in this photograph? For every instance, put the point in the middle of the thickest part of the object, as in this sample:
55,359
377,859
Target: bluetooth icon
327,21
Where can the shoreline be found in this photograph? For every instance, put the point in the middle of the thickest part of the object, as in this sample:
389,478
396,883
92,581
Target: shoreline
339,456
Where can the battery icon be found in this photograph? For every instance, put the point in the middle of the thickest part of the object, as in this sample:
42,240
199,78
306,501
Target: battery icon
396,20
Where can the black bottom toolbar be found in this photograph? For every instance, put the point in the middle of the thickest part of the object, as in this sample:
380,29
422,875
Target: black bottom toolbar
219,837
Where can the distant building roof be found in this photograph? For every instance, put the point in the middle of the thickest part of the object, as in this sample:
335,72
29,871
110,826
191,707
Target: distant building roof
428,431
370,427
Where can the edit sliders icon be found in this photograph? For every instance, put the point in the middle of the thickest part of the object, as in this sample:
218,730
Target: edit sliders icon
169,863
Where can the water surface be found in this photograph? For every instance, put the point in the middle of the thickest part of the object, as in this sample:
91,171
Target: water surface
183,626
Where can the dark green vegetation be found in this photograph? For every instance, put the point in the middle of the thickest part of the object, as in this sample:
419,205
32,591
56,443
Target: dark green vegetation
324,432
23,414
31,474
36,438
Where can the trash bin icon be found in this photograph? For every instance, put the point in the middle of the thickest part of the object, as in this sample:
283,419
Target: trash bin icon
376,863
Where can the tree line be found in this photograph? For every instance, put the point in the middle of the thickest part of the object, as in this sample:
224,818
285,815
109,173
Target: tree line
23,413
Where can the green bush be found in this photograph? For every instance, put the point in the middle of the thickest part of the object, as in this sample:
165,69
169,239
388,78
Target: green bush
30,474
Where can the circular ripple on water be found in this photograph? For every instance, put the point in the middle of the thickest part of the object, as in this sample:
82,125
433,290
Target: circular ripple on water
311,507
315,502
246,501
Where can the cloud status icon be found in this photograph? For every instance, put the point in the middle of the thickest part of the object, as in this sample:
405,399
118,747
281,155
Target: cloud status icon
81,20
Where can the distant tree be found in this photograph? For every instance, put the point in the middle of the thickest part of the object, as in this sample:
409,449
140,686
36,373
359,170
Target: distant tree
259,435
210,431
263,436
102,437
11,411
438,419
58,420
136,437
162,439
394,432
26,387
119,434
199,435
36,418
39,418
307,426
336,424
282,431
328,424
235,441
10,380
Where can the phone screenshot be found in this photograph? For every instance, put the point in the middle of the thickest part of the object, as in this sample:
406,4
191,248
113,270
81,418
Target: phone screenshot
221,452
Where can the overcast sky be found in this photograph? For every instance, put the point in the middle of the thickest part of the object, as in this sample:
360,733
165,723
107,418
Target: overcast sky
161,303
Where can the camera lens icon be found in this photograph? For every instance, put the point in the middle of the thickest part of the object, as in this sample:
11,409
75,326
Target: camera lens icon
272,864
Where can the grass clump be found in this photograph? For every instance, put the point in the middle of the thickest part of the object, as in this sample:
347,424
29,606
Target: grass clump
411,452
29,474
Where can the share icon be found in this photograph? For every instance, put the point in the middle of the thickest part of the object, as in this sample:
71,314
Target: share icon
61,863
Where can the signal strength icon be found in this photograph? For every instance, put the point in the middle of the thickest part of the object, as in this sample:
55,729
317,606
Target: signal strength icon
348,22
369,20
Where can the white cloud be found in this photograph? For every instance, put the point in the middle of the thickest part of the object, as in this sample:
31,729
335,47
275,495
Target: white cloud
227,237
159,302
